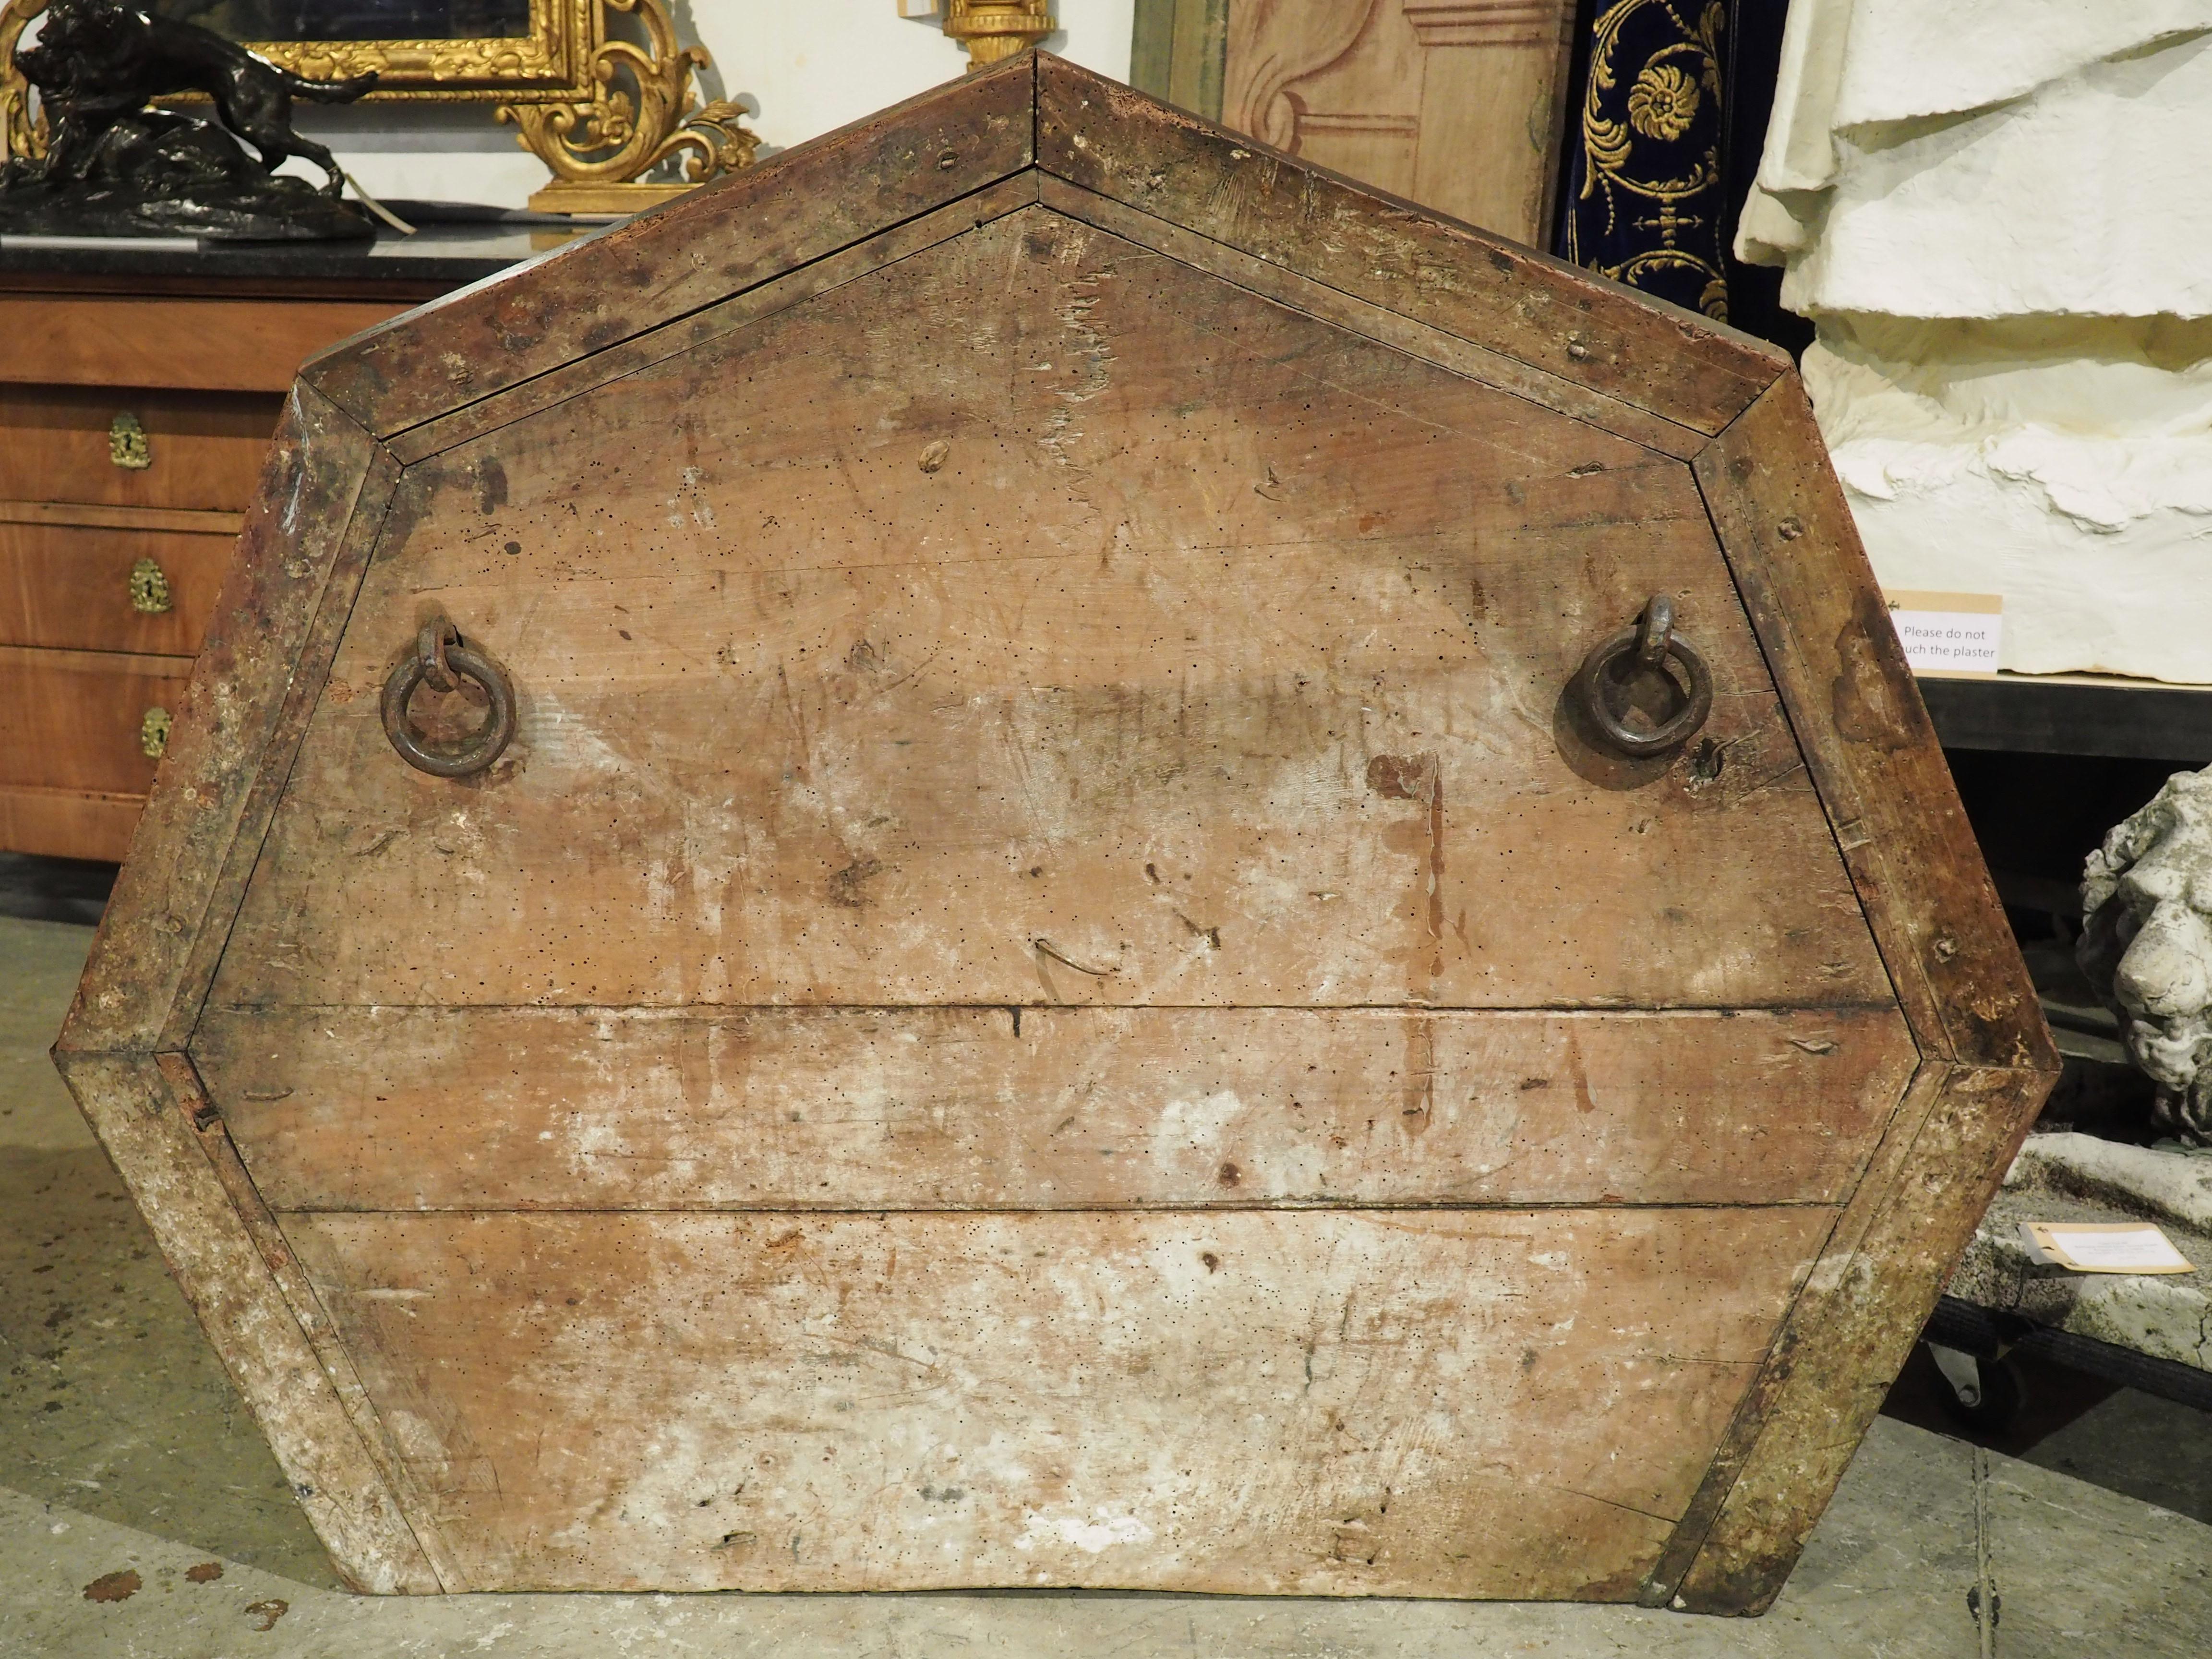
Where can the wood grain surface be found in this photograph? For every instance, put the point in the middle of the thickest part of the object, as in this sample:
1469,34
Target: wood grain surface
844,683
1336,1403
205,449
68,823
1491,291
1456,104
69,585
183,344
742,229
1870,1293
1790,539
857,1109
72,719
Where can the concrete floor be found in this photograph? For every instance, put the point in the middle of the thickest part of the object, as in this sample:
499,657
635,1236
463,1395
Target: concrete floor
123,1451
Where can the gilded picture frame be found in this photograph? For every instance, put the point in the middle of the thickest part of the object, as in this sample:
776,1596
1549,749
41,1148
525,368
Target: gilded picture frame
602,111
550,63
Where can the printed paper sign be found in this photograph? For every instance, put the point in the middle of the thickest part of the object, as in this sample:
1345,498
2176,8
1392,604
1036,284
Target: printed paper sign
1952,634
2129,1247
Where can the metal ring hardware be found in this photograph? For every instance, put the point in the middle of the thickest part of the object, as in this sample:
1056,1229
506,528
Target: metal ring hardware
438,656
1654,644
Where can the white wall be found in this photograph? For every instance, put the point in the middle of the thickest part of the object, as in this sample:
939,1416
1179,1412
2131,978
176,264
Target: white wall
802,68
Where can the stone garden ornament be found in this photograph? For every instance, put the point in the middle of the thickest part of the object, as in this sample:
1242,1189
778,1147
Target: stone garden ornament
2147,945
116,164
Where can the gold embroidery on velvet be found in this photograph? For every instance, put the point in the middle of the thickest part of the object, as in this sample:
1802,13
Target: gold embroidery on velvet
1665,92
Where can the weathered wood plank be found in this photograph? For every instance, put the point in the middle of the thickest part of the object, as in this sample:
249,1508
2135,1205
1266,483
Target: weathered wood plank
213,1259
586,374
1493,292
1870,1292
171,904
877,1108
842,682
206,1125
743,229
1319,1402
1788,535
1375,322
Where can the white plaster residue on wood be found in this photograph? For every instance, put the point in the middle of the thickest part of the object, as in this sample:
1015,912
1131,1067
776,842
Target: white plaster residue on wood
1994,212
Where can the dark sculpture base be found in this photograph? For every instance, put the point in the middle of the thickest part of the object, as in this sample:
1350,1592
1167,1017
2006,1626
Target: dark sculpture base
157,173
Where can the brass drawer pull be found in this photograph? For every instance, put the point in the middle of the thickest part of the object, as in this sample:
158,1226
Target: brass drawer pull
126,443
1654,645
153,733
440,654
149,589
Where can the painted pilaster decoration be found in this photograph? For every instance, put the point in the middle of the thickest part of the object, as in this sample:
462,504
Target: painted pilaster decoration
1995,212
1646,200
994,30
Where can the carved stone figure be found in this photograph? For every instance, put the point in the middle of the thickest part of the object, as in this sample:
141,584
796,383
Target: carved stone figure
117,165
2147,945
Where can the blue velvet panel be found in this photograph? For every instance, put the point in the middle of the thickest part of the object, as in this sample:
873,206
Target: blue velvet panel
1646,198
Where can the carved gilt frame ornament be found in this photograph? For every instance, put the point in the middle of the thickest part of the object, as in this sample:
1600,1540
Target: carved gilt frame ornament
642,112
599,109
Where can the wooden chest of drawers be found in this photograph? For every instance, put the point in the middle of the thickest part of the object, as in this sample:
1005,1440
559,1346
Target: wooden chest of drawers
135,406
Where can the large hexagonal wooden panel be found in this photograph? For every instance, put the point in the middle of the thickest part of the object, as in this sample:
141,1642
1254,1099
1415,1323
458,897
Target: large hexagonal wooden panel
1052,988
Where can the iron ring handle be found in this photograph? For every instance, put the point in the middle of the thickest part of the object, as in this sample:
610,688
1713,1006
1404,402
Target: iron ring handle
1652,642
438,657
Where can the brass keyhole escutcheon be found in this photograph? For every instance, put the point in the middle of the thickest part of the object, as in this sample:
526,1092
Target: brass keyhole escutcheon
126,443
153,733
149,589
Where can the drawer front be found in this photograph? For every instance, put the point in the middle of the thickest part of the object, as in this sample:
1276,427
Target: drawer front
92,588
77,720
127,446
200,344
68,823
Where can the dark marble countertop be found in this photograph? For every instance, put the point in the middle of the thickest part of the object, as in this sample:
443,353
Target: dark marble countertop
445,254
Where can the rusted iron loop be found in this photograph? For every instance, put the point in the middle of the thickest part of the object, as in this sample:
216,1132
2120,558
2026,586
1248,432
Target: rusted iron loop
441,654
1653,643
431,647
1655,631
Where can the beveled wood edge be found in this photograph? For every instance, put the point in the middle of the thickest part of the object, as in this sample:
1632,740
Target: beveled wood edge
749,306
1601,306
209,1252
171,895
307,672
75,515
1794,553
1878,1172
601,261
1369,321
1863,1306
204,1123
1802,573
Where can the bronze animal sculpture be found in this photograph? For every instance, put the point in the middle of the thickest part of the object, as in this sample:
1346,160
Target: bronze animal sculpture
116,164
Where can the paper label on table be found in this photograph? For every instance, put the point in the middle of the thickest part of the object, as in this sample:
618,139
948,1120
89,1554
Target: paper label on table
1949,633
2128,1247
